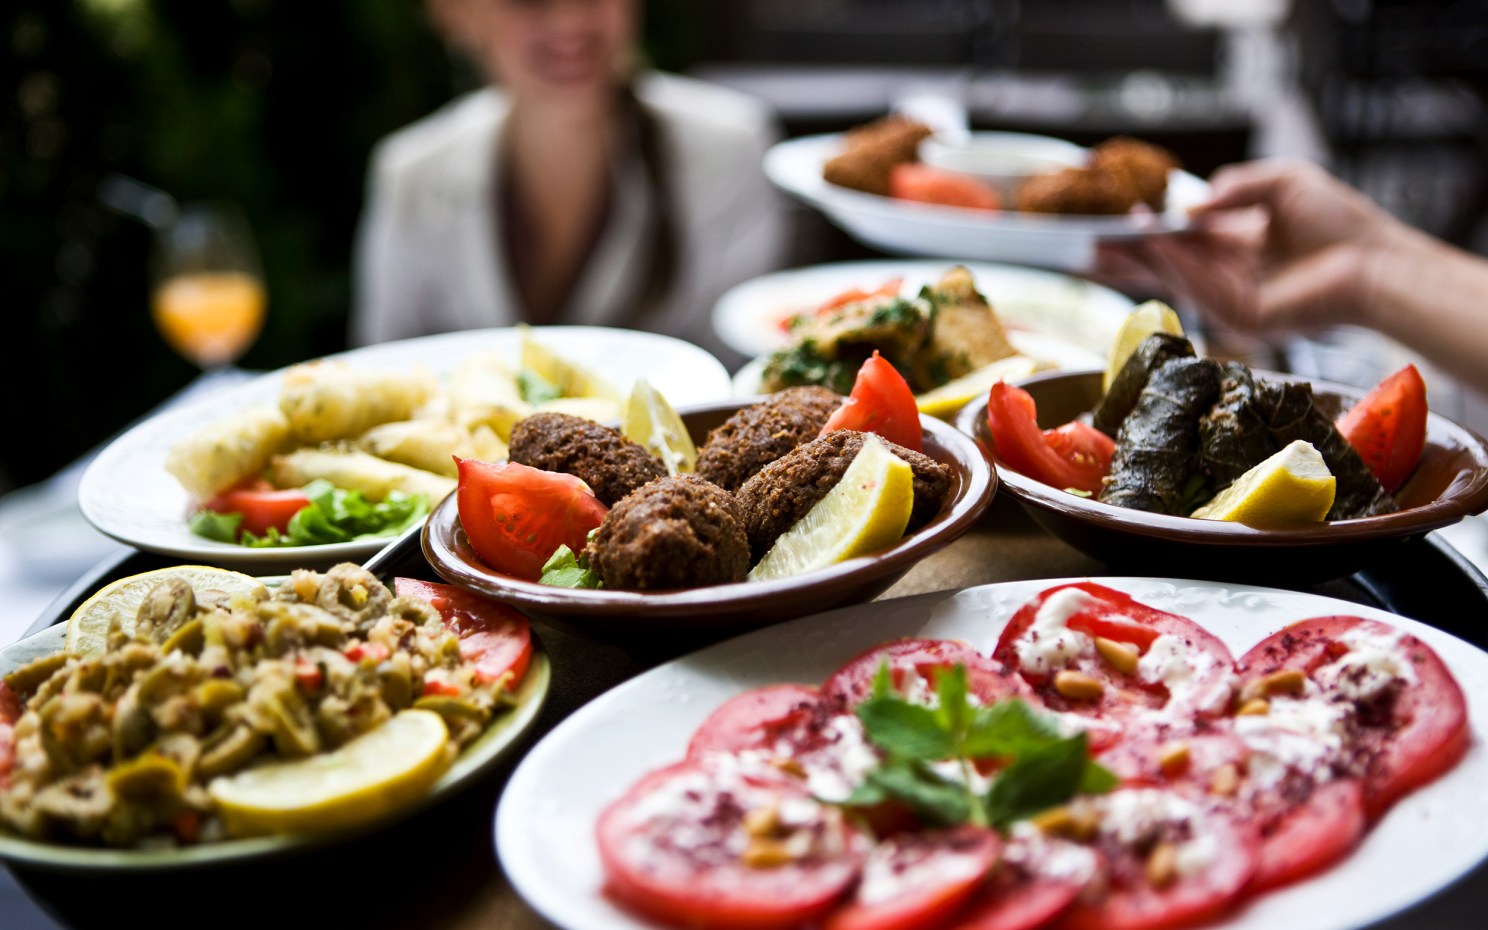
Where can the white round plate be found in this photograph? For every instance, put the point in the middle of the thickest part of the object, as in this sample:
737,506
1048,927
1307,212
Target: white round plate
749,316
906,228
127,493
544,825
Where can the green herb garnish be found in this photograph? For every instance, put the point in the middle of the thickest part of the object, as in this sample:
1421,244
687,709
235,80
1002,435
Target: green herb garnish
1041,769
565,570
535,389
334,515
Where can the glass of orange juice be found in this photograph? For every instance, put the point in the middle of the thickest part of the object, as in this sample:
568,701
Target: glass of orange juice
208,300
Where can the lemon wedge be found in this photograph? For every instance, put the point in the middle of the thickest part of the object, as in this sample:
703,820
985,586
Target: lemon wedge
945,401
369,777
1154,316
570,379
1293,486
654,424
866,511
119,601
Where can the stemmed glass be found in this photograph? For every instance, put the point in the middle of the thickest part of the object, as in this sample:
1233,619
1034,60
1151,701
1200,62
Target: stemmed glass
208,298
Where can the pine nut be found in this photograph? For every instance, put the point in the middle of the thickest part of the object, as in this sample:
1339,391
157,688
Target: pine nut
1123,657
1078,686
1162,865
1256,707
1173,759
1225,781
762,853
762,822
1286,681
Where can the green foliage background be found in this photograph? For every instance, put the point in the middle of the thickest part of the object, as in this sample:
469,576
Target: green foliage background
272,104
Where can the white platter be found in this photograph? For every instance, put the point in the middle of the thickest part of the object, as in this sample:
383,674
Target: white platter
748,316
907,228
127,494
544,826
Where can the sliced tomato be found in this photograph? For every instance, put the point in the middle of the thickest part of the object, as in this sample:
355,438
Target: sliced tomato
1181,669
674,848
1220,851
1171,753
517,516
775,718
1038,879
1387,427
881,402
494,637
1406,729
1312,834
915,664
914,880
1074,455
927,184
261,504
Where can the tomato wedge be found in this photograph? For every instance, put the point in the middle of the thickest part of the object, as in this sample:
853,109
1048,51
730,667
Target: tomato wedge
1407,714
1387,427
927,184
493,636
517,516
914,880
261,504
675,848
1150,659
881,402
1073,456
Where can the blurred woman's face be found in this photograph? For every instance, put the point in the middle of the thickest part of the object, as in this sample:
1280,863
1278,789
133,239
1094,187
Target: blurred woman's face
555,50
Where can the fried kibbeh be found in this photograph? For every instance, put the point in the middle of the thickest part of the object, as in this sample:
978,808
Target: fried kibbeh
871,151
1141,168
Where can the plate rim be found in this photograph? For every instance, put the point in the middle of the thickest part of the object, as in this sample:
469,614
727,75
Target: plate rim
508,830
158,427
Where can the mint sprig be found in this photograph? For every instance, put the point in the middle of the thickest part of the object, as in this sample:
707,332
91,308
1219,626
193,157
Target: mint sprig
1040,769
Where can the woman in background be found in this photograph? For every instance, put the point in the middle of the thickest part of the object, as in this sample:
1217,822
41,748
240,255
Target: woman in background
578,188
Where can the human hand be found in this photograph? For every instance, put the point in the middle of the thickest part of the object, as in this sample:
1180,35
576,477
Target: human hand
1280,245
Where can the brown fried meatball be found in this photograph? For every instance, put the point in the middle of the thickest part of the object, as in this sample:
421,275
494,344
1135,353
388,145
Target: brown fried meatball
676,532
782,492
607,461
759,434
1140,168
871,151
1076,191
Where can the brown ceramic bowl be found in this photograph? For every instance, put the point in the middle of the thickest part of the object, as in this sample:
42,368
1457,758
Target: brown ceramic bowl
610,614
1449,483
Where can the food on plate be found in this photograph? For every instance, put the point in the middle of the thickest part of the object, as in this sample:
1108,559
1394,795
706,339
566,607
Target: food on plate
1106,765
946,331
784,491
870,152
386,440
215,710
327,399
612,465
865,511
758,434
1388,427
1293,486
928,184
1185,429
653,423
117,603
880,402
1149,317
673,532
810,493
1121,173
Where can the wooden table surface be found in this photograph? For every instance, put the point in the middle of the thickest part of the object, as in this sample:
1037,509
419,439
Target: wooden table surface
439,870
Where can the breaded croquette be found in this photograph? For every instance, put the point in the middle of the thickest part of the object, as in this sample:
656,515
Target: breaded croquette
872,150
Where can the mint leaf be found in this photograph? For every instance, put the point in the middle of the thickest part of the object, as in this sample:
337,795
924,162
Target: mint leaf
938,800
563,569
1008,728
1040,779
953,712
902,729
1097,779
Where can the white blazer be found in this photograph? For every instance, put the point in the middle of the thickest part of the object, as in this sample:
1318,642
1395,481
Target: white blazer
429,256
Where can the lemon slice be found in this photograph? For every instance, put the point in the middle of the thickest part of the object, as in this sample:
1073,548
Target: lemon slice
1292,486
866,511
369,777
651,422
1154,316
88,627
570,379
945,401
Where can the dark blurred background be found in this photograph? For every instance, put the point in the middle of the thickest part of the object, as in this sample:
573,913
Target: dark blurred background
275,105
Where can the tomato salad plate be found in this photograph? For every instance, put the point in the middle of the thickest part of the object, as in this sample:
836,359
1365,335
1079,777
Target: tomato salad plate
1086,752
134,489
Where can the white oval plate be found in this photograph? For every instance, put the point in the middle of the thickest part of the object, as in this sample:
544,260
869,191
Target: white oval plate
748,316
906,228
126,492
544,825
